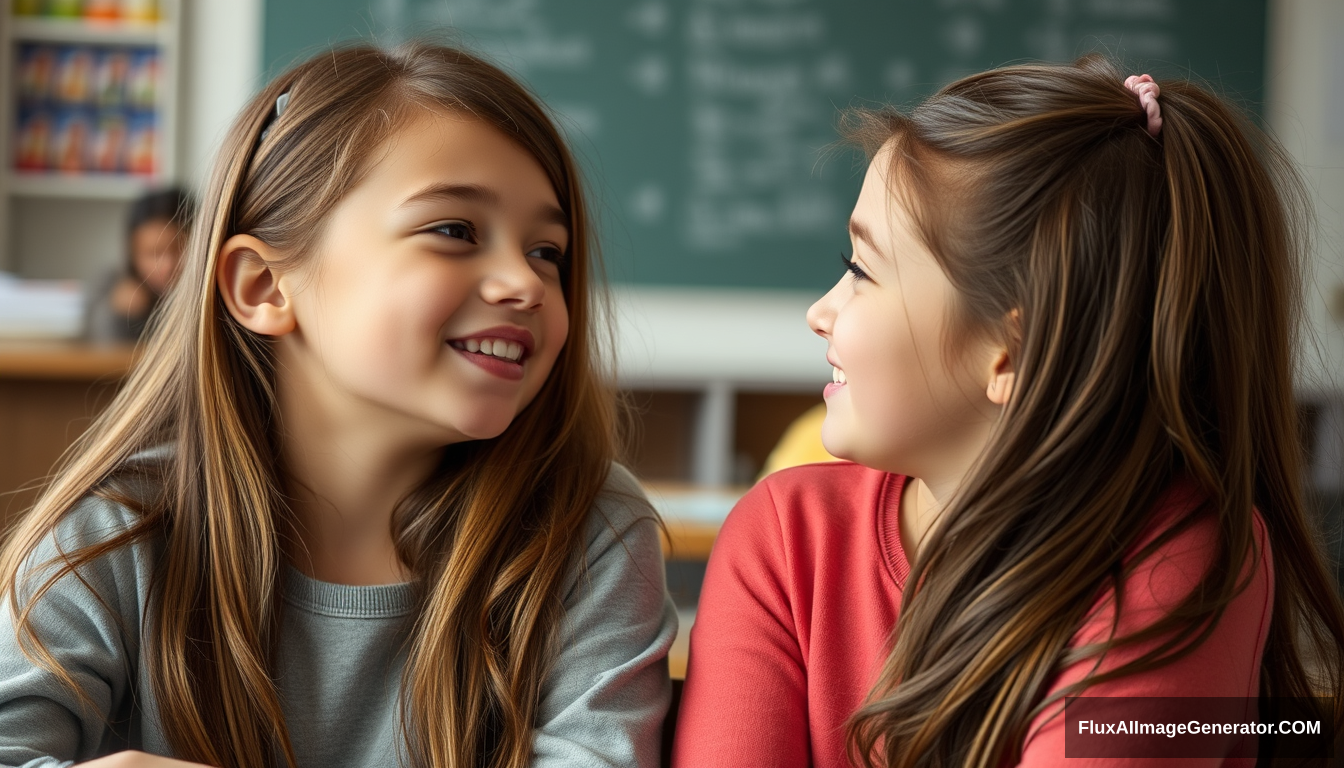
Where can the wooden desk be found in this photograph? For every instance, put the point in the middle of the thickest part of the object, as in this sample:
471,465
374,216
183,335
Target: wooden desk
688,541
692,515
49,393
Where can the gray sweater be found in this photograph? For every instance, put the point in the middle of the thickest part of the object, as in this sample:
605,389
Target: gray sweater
340,655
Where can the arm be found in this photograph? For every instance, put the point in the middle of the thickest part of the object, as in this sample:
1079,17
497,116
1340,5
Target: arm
745,701
42,721
605,700
115,303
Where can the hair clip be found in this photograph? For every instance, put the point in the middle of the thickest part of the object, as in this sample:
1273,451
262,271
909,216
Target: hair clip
281,102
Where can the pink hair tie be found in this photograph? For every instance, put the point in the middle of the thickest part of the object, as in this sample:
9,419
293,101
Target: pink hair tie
1147,91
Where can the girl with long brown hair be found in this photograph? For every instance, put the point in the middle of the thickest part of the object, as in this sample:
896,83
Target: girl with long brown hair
1064,355
356,503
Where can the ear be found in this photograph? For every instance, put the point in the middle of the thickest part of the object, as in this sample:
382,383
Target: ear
252,288
1002,375
1001,379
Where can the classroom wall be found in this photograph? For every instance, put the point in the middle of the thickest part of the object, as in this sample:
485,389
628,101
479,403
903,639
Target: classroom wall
1305,91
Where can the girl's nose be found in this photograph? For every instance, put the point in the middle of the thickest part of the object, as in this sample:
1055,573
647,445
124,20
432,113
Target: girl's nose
511,280
821,314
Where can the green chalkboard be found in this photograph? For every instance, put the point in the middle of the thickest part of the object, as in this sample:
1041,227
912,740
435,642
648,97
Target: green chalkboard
701,122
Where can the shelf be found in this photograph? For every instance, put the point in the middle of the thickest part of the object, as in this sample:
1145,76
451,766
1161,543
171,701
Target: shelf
79,186
85,31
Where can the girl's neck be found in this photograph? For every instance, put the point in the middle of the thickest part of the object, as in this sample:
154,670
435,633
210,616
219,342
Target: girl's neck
344,472
942,468
342,497
922,502
919,510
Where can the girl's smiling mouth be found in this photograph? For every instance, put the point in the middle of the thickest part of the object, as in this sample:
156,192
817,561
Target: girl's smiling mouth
838,381
500,350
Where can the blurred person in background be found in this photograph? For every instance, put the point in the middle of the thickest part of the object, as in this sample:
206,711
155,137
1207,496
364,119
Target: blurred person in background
156,234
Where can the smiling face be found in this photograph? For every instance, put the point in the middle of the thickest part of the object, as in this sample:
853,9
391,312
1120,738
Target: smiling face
907,403
433,301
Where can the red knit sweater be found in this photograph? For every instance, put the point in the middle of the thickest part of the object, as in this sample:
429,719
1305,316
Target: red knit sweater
803,589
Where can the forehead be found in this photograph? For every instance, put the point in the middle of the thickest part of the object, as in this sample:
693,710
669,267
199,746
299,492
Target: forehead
880,216
433,147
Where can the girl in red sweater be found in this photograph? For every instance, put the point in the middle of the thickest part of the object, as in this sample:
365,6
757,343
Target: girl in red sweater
1063,357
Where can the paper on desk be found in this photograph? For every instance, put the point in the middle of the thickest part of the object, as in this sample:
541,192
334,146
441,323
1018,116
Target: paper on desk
40,309
706,506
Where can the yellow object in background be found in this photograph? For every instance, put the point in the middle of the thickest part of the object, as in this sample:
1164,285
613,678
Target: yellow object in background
801,443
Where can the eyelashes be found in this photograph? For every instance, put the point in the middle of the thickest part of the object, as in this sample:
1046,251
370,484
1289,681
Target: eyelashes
853,267
466,231
551,254
458,230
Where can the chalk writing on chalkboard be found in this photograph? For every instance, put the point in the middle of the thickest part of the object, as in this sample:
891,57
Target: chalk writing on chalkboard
702,125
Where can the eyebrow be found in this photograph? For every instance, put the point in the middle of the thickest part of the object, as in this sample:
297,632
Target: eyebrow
861,232
475,193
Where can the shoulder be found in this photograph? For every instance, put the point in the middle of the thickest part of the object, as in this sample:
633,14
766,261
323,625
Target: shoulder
813,500
624,549
1169,571
99,518
623,533
620,506
1225,662
822,478
813,527
94,520
69,590
1162,573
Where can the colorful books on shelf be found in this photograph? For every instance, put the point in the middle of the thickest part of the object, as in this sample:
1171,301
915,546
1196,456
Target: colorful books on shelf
86,109
94,10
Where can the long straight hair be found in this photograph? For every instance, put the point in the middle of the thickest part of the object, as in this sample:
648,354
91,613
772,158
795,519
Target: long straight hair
1155,283
489,553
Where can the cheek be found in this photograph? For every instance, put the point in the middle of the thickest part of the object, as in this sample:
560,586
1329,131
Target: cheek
877,351
557,321
378,328
893,363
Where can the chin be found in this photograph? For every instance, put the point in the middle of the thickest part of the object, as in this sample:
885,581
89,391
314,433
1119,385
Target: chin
847,451
480,429
835,444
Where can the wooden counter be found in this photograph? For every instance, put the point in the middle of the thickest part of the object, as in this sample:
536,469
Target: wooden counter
63,361
49,393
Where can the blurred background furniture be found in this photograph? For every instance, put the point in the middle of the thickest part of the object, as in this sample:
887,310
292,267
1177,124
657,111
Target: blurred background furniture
49,393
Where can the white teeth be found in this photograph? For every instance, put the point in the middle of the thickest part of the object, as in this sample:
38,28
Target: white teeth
838,376
506,350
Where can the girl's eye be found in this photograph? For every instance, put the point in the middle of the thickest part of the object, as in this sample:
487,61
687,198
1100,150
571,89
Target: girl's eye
458,230
853,267
548,253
